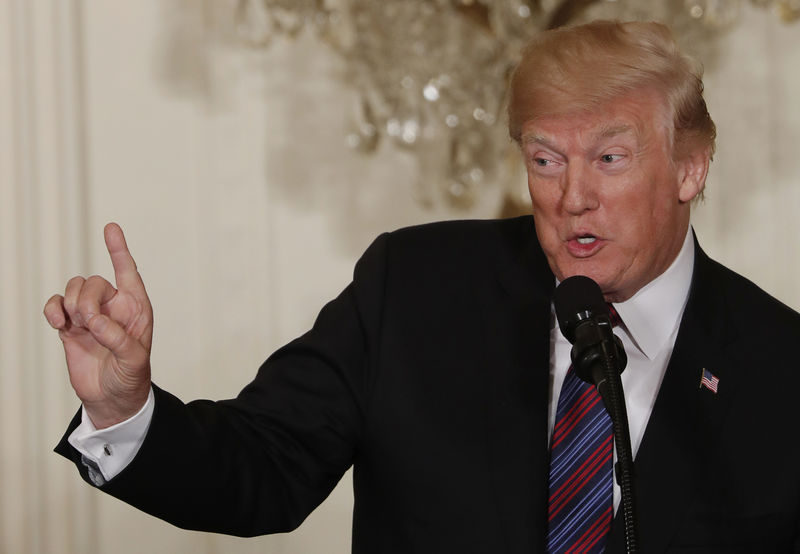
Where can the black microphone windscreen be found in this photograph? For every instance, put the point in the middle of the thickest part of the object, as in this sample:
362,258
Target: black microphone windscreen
577,298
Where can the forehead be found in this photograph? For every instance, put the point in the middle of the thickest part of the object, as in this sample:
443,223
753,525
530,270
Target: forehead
639,117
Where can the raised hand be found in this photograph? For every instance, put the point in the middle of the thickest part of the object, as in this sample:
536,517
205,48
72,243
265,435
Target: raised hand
107,333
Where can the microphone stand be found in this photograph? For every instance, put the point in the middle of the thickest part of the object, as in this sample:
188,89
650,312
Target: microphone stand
623,470
604,359
599,358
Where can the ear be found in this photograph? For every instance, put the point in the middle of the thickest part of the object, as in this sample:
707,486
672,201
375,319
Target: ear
692,174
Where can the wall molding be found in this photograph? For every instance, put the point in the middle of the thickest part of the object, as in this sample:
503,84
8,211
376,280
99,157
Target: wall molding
43,211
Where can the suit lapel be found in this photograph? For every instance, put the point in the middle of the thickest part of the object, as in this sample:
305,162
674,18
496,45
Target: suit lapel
686,417
681,430
518,354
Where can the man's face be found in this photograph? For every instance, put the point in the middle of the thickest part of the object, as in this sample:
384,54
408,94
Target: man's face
608,200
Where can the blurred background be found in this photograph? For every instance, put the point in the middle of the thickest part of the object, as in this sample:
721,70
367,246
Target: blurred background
251,150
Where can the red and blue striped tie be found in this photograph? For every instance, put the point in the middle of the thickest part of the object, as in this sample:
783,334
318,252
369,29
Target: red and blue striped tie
581,504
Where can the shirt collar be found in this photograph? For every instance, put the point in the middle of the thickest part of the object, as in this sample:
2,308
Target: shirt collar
652,314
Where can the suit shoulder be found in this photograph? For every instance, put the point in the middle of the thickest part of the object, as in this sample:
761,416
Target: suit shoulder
456,253
753,307
465,236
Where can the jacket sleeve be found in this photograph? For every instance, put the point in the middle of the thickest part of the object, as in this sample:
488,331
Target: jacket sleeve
260,463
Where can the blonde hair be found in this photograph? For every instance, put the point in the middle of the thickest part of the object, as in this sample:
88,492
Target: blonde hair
580,68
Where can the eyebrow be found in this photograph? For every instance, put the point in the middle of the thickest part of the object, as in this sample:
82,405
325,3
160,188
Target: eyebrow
614,131
530,139
605,132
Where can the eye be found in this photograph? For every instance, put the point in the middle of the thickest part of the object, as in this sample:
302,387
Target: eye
543,163
610,158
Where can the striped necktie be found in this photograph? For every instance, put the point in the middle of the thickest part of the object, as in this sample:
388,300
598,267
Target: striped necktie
581,504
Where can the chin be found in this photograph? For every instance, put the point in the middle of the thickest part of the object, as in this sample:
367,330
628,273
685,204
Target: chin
600,277
587,269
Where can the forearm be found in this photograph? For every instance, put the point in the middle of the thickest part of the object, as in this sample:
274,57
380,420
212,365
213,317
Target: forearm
262,462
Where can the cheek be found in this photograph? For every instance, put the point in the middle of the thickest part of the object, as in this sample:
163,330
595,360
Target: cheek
531,186
641,225
544,195
637,200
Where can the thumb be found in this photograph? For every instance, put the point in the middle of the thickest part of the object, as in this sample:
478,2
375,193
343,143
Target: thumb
129,352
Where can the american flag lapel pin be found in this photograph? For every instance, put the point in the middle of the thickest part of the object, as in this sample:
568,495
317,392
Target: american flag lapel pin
709,381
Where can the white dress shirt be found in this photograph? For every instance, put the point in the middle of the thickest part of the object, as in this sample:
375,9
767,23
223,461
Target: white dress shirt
648,342
650,321
106,452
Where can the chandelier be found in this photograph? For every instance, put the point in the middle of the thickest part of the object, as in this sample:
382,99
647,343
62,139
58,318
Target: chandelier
431,75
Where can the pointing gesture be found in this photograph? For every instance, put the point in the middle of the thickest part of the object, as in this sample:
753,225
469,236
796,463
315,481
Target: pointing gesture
107,333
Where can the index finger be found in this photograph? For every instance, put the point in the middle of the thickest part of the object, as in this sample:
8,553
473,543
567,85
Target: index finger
125,273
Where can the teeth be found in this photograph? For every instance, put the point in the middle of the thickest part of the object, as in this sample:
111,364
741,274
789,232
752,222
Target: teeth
586,240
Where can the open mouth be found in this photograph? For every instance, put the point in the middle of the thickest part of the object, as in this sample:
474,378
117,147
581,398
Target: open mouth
584,245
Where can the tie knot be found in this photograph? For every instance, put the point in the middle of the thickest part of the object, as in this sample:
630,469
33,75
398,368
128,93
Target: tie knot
613,315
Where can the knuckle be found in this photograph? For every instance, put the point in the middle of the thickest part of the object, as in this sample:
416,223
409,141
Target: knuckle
70,303
53,309
86,305
91,292
75,282
71,292
95,280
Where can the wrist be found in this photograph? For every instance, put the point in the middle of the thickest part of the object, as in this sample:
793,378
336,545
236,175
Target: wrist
104,414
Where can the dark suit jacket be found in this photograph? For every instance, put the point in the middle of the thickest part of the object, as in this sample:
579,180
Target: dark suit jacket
429,374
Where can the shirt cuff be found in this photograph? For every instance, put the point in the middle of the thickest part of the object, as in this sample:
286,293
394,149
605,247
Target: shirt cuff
106,452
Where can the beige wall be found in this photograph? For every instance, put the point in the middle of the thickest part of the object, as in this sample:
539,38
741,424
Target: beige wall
245,212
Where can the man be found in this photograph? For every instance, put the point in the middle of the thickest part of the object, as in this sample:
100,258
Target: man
437,372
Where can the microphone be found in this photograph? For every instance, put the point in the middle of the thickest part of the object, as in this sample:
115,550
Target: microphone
585,321
598,358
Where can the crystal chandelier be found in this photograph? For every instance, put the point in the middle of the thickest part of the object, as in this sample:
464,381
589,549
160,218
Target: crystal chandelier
431,75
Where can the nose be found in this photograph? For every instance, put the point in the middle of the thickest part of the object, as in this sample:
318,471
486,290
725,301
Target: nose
578,194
